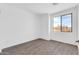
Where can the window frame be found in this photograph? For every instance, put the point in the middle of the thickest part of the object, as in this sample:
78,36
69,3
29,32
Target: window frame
61,21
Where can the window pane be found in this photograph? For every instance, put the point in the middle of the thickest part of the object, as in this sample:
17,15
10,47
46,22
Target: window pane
57,24
66,23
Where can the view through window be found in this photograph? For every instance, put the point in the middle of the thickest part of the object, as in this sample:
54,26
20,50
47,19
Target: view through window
62,23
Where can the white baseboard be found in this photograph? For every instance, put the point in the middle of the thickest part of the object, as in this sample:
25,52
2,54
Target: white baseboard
46,38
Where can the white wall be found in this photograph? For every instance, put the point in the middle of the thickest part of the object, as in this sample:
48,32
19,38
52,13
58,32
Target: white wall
78,22
17,26
44,26
67,37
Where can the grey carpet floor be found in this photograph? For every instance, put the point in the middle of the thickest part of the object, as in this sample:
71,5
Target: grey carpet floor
41,47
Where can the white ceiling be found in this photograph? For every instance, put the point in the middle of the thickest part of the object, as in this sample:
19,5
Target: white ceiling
43,8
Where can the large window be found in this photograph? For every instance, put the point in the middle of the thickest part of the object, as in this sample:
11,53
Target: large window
62,23
57,24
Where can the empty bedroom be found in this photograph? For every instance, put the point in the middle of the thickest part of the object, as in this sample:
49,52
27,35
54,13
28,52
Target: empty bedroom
39,28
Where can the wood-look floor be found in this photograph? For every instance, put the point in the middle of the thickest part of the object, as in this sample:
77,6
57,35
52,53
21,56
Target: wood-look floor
41,47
